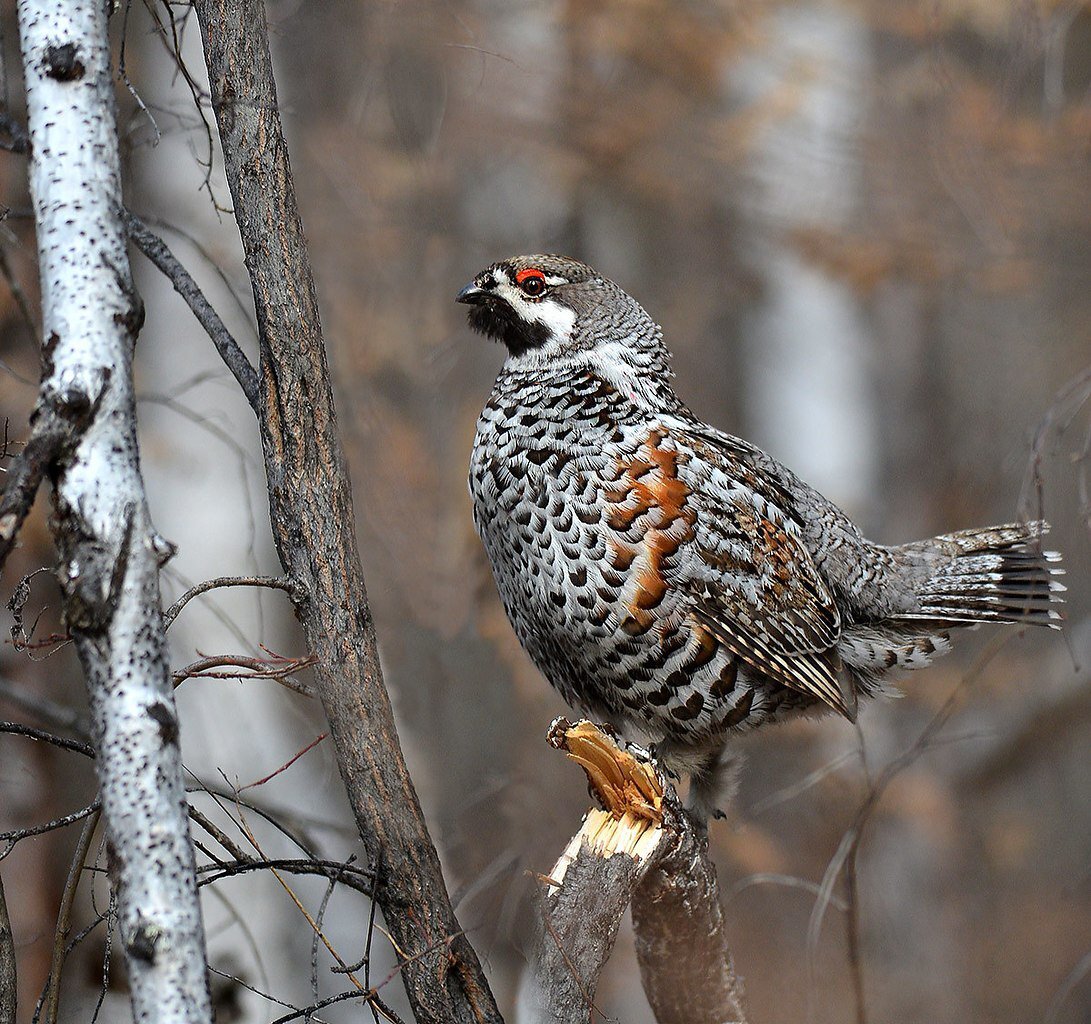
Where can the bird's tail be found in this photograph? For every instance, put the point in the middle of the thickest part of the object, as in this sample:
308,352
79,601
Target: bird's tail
995,574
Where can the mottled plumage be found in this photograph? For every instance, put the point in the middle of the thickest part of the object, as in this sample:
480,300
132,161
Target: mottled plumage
677,581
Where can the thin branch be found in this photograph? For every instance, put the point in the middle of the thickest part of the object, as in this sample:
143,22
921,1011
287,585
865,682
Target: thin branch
16,835
248,934
64,917
249,988
124,75
152,246
278,669
18,729
107,951
22,303
276,582
287,764
1066,988
352,877
219,835
319,918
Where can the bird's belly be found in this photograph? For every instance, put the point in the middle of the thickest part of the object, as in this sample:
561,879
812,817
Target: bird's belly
605,635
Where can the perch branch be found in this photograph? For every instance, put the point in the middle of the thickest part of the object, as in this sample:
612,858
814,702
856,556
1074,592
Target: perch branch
640,847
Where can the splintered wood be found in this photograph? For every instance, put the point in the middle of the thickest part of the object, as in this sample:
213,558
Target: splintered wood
628,788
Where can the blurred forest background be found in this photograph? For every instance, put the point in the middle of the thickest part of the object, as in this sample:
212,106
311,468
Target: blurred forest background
866,229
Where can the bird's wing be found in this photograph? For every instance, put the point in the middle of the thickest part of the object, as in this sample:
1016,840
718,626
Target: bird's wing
739,557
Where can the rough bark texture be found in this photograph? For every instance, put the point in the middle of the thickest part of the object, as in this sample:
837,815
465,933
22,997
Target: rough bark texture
313,524
644,849
110,554
8,980
681,945
580,921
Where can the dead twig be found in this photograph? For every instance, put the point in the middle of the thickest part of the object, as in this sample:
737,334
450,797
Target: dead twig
18,729
275,667
152,246
53,983
287,764
51,435
275,582
16,835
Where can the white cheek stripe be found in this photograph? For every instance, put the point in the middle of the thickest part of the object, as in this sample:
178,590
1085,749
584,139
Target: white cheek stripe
559,319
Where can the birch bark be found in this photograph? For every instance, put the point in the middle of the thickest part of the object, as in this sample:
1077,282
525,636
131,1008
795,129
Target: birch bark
110,554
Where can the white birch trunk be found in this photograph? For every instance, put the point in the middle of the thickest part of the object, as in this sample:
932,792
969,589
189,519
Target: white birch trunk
110,553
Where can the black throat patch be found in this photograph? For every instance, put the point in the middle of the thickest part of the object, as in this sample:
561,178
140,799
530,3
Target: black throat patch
495,318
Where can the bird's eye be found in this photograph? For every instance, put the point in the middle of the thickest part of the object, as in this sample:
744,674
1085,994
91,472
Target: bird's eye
532,282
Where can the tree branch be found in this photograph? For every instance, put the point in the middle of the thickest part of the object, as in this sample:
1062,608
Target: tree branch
274,582
681,944
110,553
313,523
644,848
64,917
152,246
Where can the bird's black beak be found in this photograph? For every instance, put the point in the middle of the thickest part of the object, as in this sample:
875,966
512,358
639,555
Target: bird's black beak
472,295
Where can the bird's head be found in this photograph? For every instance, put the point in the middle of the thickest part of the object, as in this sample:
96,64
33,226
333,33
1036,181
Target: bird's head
545,308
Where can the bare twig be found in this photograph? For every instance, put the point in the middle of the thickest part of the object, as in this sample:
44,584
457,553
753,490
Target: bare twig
219,835
319,918
124,75
1066,988
278,669
22,303
353,877
287,764
18,729
107,952
1039,734
276,582
45,710
1058,418
64,917
15,835
152,246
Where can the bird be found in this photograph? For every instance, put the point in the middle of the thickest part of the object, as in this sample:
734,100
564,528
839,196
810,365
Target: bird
674,581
